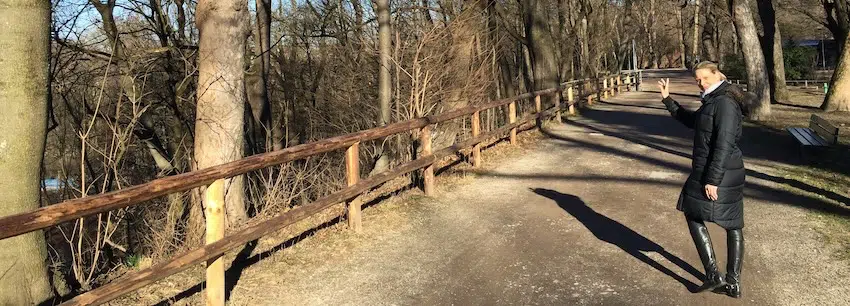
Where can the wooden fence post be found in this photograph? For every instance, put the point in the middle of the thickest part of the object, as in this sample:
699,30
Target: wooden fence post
476,130
619,84
537,109
215,222
537,106
428,172
634,82
512,119
605,88
557,97
639,86
570,100
614,88
352,176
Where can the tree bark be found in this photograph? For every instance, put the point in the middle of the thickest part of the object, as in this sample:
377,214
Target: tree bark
219,128
682,48
771,44
837,19
24,91
838,97
654,53
265,134
708,34
384,77
587,68
541,47
695,47
753,58
274,138
506,67
463,29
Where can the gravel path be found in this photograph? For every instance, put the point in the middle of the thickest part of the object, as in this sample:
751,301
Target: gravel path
586,217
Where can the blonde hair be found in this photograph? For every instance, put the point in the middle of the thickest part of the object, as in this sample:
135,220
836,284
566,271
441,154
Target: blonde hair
711,66
707,65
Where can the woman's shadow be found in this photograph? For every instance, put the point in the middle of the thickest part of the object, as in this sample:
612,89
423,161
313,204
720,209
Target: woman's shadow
613,232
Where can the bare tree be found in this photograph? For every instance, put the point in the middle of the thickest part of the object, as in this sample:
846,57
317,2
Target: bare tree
681,28
838,97
219,132
23,123
266,133
382,9
753,57
837,13
771,43
709,33
541,45
586,9
695,46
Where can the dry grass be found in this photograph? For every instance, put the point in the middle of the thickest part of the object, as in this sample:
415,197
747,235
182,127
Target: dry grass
805,102
826,173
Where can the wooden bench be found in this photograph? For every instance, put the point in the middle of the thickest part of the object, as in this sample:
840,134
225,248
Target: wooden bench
820,133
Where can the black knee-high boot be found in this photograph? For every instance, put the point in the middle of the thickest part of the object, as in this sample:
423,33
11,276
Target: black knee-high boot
735,248
702,241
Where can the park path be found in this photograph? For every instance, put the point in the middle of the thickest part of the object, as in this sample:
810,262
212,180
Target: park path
586,217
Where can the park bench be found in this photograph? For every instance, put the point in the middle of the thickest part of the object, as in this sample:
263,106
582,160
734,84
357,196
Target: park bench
820,133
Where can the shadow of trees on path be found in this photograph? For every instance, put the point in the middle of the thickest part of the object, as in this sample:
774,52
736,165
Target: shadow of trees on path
653,125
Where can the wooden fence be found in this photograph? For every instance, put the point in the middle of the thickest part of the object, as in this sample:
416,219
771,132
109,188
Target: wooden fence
802,83
217,243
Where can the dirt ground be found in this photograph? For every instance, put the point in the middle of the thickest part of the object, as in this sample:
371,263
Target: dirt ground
586,216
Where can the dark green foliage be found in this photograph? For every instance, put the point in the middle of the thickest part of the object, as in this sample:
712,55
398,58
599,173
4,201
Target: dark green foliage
799,61
734,66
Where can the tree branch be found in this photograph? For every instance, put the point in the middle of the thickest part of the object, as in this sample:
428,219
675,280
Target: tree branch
510,30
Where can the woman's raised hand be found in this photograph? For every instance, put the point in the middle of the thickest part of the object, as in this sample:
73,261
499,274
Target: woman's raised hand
664,87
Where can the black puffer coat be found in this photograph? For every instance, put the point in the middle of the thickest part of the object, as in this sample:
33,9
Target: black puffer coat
717,159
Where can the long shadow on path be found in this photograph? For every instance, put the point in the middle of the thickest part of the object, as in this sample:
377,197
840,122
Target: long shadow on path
613,232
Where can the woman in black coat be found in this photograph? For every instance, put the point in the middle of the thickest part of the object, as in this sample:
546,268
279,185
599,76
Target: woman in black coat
714,191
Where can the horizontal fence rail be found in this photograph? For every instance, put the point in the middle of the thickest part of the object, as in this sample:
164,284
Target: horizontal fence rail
218,243
804,83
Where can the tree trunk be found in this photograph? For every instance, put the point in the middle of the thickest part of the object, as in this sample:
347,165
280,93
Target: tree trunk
384,76
708,34
837,19
506,67
753,58
23,125
265,133
695,47
542,48
654,53
681,35
562,39
426,12
219,129
463,29
274,138
838,97
585,11
587,68
771,44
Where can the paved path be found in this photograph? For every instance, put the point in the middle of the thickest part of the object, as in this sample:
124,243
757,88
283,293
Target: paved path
588,217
